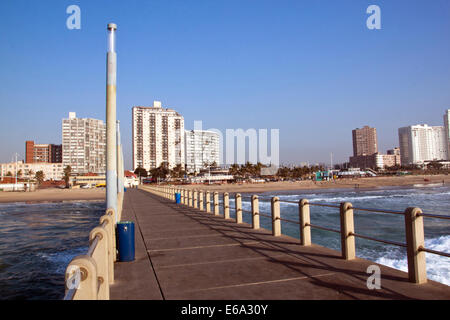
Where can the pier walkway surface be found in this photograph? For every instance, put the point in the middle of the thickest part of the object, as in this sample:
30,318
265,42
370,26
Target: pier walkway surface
184,253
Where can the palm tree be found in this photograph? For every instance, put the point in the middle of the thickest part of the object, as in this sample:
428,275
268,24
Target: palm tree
67,171
39,176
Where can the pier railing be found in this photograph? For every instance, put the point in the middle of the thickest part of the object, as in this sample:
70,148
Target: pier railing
89,276
413,220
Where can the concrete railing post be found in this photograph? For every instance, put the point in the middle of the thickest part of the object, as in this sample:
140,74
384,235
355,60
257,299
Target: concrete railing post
208,202
200,200
190,198
109,227
195,199
216,203
81,274
276,222
347,228
100,256
255,212
238,204
304,218
226,205
415,239
181,196
110,212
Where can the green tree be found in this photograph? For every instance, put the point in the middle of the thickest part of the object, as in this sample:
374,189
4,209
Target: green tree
141,172
9,174
161,172
39,176
67,172
177,171
19,173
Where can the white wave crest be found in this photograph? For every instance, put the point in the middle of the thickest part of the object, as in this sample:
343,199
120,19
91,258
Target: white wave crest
438,267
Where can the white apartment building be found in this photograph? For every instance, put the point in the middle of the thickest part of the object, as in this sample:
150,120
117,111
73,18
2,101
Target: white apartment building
202,149
421,143
52,171
84,144
158,137
447,131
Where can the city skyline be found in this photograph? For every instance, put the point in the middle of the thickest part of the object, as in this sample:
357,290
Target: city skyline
315,71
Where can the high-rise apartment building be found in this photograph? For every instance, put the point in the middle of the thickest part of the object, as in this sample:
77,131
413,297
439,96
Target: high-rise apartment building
84,144
364,141
48,153
447,131
421,143
158,137
202,149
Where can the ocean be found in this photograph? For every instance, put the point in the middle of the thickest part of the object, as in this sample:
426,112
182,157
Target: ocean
38,240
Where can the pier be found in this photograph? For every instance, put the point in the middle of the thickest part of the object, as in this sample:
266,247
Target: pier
190,251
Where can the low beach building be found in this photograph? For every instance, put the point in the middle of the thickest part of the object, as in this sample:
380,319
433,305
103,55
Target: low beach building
52,171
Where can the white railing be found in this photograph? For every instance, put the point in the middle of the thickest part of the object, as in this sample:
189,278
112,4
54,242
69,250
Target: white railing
413,218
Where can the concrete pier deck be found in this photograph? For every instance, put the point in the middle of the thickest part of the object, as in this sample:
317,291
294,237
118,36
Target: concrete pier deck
184,253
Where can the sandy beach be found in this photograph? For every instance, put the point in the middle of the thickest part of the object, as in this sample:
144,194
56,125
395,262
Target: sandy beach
53,194
372,182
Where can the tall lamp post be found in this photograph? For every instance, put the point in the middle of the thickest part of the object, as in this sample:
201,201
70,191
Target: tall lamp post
111,136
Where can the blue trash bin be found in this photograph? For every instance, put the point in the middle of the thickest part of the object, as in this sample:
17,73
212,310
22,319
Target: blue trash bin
177,197
125,234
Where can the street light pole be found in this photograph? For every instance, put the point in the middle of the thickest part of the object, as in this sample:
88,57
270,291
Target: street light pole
111,134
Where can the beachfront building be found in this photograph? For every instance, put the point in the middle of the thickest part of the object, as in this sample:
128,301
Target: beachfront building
50,153
447,131
421,143
158,137
376,160
84,145
52,171
364,141
202,149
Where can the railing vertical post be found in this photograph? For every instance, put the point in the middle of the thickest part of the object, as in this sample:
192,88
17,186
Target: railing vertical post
347,227
100,255
208,202
190,198
216,203
226,205
255,212
276,222
86,268
200,200
238,204
304,218
415,239
195,199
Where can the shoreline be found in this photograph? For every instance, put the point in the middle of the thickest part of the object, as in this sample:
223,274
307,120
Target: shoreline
57,195
53,195
357,183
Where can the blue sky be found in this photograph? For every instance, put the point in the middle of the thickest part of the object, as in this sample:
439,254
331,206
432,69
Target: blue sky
310,68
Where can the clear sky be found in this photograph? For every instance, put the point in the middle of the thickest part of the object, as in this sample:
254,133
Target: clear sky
310,68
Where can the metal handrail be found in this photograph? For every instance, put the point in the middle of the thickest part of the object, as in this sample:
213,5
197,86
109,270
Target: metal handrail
428,215
70,294
287,220
93,245
378,240
323,205
378,210
265,215
445,254
289,201
323,228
